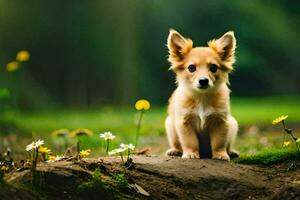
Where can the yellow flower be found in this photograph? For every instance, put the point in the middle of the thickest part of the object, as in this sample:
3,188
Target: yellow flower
142,104
23,56
286,143
12,66
279,119
52,158
44,150
4,168
60,132
84,153
81,132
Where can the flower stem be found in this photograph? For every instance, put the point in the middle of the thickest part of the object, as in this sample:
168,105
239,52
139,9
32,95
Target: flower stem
78,146
36,155
290,132
284,136
297,146
65,143
122,158
138,128
107,146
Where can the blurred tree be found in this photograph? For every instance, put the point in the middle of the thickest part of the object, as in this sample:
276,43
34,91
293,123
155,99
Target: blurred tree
113,52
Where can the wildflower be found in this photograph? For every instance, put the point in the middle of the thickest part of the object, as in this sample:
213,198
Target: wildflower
60,132
34,145
112,152
142,104
84,153
127,146
81,132
279,119
23,56
54,158
107,136
286,143
44,150
4,168
12,66
116,151
51,159
78,133
298,140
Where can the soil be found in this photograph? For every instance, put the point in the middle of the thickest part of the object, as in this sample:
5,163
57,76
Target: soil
155,177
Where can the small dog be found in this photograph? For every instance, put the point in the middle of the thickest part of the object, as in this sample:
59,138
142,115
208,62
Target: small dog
200,104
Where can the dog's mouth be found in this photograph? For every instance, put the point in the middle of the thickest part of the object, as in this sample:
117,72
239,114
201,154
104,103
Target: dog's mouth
203,87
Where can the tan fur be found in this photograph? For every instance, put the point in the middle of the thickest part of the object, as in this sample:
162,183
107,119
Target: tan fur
192,110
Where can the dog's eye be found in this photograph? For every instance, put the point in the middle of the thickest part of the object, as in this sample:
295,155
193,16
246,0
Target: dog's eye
213,68
192,68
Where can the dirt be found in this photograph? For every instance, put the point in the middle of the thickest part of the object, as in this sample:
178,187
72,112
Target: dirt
160,177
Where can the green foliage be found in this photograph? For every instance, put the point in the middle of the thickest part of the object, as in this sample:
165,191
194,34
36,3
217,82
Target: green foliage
4,93
135,63
270,156
121,181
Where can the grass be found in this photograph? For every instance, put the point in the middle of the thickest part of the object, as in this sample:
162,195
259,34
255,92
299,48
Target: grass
258,111
262,110
270,156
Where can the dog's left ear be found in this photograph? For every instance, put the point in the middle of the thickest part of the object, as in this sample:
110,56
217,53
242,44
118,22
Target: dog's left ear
178,46
225,47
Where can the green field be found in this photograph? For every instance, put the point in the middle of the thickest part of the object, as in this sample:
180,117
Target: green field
121,121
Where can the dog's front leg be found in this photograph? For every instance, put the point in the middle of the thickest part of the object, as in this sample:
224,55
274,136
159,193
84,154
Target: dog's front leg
218,131
187,137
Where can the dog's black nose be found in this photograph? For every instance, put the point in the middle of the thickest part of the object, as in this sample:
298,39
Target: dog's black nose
203,82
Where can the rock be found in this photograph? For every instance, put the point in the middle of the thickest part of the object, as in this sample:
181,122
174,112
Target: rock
151,177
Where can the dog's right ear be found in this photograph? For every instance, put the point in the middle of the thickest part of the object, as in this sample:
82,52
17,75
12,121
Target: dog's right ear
178,46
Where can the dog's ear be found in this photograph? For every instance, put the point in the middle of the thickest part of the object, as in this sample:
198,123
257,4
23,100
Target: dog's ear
178,46
225,47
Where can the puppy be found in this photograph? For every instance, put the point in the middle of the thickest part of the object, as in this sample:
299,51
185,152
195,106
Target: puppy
200,104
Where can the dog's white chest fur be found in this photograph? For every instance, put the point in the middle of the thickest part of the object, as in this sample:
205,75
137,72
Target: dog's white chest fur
203,110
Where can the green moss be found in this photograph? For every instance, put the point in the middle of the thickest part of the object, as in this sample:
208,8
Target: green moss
121,181
270,156
94,188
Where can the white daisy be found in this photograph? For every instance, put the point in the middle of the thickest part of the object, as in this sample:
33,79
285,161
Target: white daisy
127,146
58,158
115,151
39,143
34,145
124,146
107,136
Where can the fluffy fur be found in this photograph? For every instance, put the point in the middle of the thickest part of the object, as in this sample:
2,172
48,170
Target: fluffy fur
195,111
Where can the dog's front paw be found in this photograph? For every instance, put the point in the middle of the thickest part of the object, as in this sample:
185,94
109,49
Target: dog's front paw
222,155
233,154
173,152
190,155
